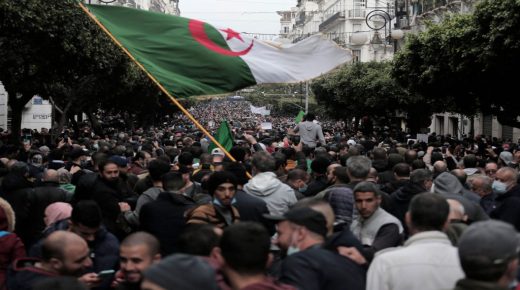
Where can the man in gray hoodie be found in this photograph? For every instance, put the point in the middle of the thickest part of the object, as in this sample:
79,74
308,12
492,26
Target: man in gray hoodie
450,187
310,132
277,195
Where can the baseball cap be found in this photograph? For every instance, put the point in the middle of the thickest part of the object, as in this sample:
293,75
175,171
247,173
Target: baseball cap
217,151
313,220
487,243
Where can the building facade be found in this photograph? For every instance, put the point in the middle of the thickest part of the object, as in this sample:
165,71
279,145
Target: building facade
373,30
346,22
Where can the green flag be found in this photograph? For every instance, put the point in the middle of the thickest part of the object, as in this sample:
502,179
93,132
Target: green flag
190,58
223,136
299,118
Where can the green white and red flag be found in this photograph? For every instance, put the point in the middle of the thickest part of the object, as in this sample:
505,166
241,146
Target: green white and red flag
190,58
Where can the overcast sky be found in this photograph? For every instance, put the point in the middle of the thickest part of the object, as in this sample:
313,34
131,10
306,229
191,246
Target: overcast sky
253,16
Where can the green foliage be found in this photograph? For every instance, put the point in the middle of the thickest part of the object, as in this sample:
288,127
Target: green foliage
51,48
364,89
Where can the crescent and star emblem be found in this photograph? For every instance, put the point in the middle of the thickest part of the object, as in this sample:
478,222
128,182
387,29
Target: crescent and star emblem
199,34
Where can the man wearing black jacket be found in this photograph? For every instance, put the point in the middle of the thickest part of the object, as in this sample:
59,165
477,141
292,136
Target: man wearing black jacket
308,265
164,218
508,197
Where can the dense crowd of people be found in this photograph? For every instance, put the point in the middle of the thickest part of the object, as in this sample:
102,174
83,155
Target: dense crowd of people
308,205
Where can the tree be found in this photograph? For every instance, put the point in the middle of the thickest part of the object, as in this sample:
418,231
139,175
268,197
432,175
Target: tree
366,89
467,63
52,49
48,48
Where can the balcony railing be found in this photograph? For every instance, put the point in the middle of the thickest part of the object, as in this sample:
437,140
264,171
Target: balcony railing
338,16
300,19
356,14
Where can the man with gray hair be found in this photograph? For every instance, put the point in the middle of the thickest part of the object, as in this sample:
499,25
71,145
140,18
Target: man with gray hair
457,221
482,185
439,167
508,196
488,253
358,168
277,195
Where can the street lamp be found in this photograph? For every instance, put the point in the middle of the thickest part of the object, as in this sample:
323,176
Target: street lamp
379,19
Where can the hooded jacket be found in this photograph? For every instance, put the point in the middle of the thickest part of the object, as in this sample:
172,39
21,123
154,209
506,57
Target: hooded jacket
11,247
400,200
24,274
309,132
450,187
277,195
447,183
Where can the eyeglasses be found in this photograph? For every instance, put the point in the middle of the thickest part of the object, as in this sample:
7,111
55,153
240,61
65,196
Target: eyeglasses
491,171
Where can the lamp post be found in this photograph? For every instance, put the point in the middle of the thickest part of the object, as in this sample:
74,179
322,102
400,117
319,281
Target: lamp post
379,19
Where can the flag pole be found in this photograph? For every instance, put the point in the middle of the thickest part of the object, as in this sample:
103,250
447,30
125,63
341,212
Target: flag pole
161,87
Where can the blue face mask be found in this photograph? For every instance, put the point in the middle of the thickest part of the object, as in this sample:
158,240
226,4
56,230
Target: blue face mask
303,188
499,187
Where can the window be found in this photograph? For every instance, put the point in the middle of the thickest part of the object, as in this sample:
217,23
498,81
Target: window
356,55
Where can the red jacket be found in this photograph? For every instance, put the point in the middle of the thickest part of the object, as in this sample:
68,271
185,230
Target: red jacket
11,247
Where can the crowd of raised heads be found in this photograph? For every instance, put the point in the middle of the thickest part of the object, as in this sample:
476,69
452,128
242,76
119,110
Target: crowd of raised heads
309,205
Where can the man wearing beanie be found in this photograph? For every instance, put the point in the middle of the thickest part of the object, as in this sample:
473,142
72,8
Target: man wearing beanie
250,208
180,272
221,212
488,253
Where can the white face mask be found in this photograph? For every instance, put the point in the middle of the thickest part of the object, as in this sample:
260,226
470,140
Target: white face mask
499,187
292,250
432,189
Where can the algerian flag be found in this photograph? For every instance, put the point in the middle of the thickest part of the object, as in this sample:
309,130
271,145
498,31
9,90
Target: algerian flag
223,136
189,57
299,118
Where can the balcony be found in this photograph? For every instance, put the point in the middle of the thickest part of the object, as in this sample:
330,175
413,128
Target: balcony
356,14
404,23
331,21
300,19
430,5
